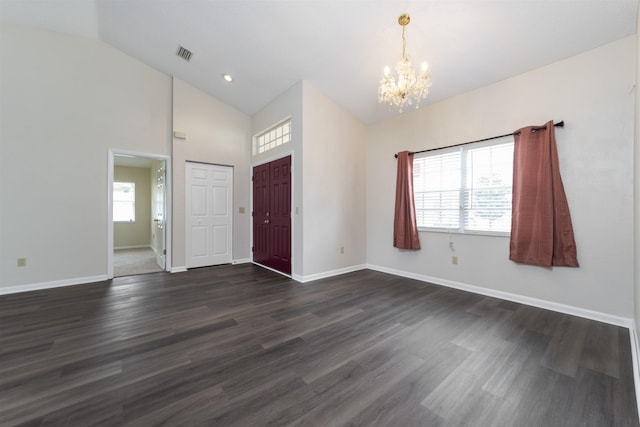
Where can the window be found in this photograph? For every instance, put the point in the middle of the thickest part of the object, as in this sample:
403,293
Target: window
466,189
124,201
273,137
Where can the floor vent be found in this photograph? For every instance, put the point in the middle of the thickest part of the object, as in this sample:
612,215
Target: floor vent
184,53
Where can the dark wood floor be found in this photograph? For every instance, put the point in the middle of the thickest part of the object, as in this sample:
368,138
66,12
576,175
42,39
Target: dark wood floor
239,345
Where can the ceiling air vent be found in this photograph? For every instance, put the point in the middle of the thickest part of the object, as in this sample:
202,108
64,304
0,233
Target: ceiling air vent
184,53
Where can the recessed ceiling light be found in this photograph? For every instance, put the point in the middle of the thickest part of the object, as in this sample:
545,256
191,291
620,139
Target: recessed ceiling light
227,78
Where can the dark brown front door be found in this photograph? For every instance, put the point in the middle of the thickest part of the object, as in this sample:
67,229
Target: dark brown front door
260,214
272,214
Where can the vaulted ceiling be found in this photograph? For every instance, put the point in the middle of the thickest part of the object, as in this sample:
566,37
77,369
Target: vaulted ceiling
340,47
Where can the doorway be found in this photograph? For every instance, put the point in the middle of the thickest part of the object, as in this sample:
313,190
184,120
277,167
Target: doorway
272,215
138,239
208,214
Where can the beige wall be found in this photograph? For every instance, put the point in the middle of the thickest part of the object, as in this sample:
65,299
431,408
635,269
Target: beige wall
138,233
591,92
65,101
218,134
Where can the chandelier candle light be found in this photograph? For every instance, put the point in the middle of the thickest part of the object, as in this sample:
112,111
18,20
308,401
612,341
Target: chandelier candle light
408,89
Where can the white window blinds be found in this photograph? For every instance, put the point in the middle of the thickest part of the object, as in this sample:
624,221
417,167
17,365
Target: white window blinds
466,189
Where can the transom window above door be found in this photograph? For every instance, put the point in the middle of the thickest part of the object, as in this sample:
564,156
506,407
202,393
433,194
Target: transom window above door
273,137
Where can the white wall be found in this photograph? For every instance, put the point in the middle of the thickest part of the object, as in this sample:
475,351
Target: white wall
592,93
217,134
64,102
334,193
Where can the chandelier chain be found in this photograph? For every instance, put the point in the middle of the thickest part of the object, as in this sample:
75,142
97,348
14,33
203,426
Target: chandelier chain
404,44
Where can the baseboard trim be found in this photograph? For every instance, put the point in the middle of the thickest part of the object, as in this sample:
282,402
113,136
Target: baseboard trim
133,247
178,269
635,360
241,261
331,273
53,284
535,302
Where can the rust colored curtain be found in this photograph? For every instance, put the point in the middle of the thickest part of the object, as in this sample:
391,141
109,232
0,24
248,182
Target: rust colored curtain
541,229
405,228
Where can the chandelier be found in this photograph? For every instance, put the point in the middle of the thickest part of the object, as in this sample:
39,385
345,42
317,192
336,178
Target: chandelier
409,88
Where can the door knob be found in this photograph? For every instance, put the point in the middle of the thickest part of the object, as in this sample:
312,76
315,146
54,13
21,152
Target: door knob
266,221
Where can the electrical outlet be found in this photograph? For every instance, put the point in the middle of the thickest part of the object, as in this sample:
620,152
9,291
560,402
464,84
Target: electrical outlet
22,262
454,259
341,249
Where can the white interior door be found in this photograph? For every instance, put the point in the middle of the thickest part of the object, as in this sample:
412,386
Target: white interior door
158,187
208,214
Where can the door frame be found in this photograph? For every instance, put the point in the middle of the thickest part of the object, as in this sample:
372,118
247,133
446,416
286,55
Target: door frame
167,204
262,161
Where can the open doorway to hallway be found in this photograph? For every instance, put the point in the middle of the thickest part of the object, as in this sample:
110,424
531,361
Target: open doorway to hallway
138,206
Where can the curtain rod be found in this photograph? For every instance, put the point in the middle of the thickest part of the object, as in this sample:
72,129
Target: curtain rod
559,124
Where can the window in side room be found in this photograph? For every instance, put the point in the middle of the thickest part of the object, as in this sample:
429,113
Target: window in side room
124,202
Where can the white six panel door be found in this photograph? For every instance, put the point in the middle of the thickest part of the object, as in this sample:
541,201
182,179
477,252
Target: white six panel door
208,214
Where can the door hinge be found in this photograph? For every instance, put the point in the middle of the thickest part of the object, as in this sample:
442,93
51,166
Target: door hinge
164,252
253,249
